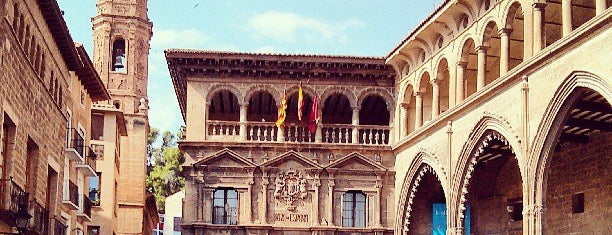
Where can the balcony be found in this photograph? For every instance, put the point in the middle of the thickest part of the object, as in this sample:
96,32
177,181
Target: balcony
85,209
74,145
70,196
295,133
11,196
58,227
39,224
88,164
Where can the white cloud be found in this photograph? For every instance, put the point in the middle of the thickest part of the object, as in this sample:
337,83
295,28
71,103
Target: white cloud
287,26
178,38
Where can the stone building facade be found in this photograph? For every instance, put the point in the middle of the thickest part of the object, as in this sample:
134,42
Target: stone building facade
246,175
504,118
499,120
48,85
121,34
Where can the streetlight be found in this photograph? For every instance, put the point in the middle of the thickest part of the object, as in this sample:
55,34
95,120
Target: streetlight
22,218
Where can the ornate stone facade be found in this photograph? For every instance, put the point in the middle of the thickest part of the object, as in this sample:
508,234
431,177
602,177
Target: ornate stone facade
492,107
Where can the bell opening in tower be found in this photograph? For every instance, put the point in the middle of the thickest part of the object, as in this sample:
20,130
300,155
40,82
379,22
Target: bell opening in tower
118,55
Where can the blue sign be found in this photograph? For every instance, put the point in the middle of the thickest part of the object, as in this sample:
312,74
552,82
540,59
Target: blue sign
438,225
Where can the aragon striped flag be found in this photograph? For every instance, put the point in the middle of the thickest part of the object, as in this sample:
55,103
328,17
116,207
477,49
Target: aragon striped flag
282,111
300,102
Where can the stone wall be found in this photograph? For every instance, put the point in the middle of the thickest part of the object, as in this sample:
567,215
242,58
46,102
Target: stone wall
580,168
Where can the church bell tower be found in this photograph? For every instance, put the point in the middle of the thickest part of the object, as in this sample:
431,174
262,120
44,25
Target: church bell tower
122,33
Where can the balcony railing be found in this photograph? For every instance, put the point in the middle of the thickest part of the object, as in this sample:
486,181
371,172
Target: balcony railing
88,164
75,144
12,196
40,218
85,208
58,227
70,196
296,133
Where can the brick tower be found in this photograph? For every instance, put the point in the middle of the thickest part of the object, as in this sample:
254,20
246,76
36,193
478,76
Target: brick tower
122,31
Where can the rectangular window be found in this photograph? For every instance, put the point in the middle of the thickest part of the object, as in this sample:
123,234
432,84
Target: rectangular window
94,189
8,140
97,126
225,206
354,209
31,163
578,203
93,230
177,224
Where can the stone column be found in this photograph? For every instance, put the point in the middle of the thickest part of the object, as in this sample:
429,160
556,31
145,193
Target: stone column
566,15
403,125
435,101
538,24
243,121
377,216
330,195
504,54
319,131
482,67
461,65
600,6
249,214
355,122
418,122
206,118
315,213
280,137
263,204
538,213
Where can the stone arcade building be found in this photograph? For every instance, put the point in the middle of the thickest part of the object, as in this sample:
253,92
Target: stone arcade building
498,119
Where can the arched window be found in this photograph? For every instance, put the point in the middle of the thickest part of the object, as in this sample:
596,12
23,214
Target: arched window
225,206
354,209
118,55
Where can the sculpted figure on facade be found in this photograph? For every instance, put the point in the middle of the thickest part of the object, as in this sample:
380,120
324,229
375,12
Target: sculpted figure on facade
290,187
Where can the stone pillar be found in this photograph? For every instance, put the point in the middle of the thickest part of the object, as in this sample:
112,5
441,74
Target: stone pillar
600,6
330,195
482,67
249,214
538,213
315,213
280,134
566,15
263,204
243,121
391,122
403,125
418,122
319,131
538,25
355,122
435,101
452,86
461,65
377,216
206,118
504,54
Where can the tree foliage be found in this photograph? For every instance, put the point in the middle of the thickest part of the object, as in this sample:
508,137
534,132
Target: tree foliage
164,168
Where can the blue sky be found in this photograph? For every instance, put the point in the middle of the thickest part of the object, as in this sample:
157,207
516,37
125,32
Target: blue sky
344,27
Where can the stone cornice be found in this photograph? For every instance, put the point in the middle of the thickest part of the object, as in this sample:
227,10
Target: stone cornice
184,63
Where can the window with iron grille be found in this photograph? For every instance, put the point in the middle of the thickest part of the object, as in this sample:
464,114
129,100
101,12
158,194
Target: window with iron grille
225,206
354,209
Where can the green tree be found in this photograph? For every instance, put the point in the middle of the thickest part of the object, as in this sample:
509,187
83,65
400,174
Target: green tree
165,170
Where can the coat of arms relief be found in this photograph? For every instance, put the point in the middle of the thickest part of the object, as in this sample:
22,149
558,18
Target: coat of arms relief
290,188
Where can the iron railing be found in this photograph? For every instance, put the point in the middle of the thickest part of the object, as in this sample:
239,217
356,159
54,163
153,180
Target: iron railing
90,157
86,206
59,228
40,218
71,193
75,141
12,196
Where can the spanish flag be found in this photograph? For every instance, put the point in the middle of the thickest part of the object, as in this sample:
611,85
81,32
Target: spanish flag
282,111
300,102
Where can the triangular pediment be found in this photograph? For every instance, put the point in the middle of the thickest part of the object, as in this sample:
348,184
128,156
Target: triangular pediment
225,158
356,161
292,159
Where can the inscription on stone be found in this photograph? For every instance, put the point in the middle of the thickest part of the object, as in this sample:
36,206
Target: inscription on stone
295,218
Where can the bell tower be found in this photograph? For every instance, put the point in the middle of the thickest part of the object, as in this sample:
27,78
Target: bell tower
122,32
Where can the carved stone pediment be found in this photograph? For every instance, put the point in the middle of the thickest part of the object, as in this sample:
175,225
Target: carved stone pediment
225,158
355,162
290,188
291,160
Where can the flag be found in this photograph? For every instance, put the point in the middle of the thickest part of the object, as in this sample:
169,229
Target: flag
282,111
300,102
314,116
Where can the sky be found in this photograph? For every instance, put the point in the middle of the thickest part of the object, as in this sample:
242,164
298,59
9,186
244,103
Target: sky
338,27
